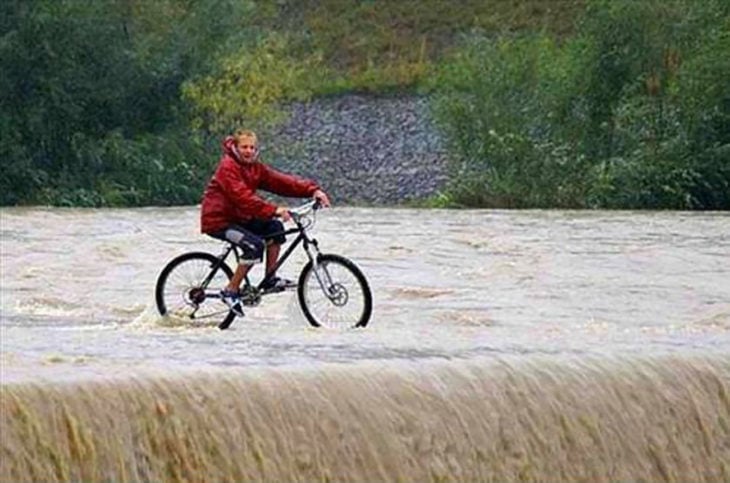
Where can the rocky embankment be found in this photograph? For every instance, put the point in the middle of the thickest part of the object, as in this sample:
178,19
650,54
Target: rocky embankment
363,149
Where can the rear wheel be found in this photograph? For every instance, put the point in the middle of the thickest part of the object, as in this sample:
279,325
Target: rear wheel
185,290
335,293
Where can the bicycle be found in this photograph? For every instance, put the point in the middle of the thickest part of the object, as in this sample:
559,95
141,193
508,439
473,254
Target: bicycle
329,286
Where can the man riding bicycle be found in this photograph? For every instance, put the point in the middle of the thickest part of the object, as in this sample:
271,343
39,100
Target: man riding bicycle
232,211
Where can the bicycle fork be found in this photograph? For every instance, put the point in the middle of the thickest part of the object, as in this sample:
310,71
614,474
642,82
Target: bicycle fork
320,271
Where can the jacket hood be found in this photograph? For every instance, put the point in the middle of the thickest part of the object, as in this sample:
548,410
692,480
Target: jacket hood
229,148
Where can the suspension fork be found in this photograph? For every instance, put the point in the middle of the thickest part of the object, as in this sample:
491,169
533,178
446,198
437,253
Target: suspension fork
322,275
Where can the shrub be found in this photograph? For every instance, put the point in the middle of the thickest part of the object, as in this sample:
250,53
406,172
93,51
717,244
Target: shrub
250,84
634,112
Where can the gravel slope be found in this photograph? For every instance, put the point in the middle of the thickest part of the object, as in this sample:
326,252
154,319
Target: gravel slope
362,149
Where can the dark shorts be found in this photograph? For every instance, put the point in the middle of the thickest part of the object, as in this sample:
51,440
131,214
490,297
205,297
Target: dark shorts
249,236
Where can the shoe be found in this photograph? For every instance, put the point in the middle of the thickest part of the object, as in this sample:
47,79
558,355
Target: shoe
233,300
277,284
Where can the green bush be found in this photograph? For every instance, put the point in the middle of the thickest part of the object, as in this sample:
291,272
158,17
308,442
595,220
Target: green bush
633,112
249,85
495,106
83,81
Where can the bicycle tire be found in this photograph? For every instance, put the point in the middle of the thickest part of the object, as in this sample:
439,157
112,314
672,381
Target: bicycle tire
348,284
175,291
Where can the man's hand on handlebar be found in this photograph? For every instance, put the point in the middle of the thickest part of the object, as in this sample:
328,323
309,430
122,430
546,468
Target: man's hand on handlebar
322,197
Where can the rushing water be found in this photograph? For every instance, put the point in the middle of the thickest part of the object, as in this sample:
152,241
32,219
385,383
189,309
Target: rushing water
470,308
77,288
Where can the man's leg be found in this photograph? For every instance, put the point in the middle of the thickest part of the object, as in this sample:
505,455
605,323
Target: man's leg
272,230
235,283
274,282
272,256
252,247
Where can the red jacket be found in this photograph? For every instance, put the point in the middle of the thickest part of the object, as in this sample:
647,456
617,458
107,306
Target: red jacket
230,196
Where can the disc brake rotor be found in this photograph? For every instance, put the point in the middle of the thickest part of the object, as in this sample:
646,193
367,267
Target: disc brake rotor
338,294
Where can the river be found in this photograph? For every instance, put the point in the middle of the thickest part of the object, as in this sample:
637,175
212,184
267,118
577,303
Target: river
538,302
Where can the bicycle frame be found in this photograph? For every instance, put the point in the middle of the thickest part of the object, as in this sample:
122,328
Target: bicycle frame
302,237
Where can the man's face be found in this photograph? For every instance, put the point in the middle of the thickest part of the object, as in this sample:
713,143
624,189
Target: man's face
247,148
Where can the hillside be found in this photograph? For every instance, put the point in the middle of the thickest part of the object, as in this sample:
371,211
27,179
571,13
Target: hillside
388,45
537,103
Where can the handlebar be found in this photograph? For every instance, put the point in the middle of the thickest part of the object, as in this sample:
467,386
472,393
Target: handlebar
304,209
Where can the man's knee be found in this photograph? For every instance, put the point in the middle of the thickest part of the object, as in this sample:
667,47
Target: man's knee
258,247
276,227
251,245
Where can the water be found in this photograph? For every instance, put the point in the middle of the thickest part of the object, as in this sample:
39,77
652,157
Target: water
469,307
77,288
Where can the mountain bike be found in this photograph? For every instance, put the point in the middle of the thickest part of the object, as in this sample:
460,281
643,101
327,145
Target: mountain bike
332,291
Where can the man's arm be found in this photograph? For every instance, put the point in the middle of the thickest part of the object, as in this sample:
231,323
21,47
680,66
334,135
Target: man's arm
286,184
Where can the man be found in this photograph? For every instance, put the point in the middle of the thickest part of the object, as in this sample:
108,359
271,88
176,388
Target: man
231,210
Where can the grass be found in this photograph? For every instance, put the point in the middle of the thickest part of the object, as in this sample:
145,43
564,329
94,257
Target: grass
375,46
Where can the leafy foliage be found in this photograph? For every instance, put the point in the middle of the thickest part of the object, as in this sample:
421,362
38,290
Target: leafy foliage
376,46
77,75
632,112
117,102
249,84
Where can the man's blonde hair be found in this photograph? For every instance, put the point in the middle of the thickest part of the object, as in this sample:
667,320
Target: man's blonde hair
247,134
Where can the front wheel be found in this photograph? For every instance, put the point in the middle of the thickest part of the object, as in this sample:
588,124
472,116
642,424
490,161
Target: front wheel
334,293
188,289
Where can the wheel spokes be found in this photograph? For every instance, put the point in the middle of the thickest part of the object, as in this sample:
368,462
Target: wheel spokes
342,305
185,296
